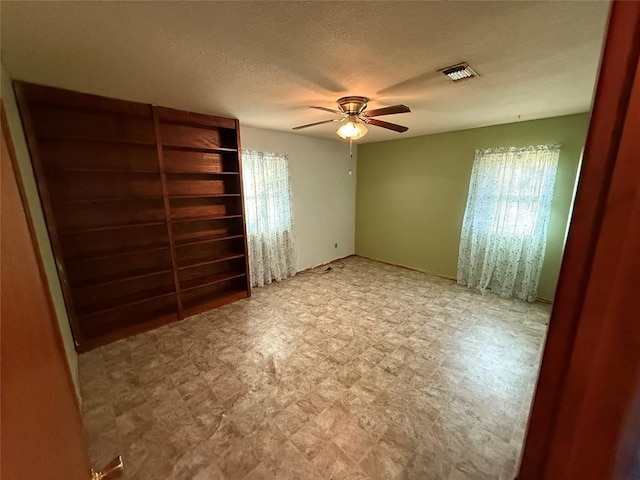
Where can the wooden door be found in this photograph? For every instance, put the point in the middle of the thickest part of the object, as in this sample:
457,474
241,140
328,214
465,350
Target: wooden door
42,435
585,419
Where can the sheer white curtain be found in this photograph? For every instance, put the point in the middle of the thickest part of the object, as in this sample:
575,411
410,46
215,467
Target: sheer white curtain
504,231
267,197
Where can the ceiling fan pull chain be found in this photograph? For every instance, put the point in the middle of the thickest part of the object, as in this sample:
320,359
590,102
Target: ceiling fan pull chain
350,147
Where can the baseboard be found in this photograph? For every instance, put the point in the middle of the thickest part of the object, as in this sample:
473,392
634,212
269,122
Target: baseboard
435,274
326,263
414,269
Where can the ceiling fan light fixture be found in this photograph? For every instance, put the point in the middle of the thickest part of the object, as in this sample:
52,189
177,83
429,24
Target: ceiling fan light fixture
352,110
353,130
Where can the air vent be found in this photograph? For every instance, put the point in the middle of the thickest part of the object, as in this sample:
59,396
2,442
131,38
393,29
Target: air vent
459,72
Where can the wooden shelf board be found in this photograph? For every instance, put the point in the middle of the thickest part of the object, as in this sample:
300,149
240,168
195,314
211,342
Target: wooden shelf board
119,279
197,218
109,227
180,117
106,170
212,261
199,149
131,198
70,138
200,173
201,282
117,331
212,195
124,302
194,123
96,110
210,239
198,305
118,253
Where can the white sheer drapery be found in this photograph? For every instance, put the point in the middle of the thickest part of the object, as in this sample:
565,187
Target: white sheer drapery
504,231
267,197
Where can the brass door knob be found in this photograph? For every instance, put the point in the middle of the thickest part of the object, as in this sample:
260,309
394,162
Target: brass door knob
113,469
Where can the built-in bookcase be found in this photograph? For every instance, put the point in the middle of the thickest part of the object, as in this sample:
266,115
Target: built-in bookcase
144,209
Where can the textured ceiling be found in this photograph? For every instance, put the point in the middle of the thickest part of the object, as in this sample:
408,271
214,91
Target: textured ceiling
264,62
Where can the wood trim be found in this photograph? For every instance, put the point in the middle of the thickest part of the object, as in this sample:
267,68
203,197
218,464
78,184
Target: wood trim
100,340
244,213
406,267
83,102
603,380
215,303
34,240
38,394
167,210
547,448
45,201
170,115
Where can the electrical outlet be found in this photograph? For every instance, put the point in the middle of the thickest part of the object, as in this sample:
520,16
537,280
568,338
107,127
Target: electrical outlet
335,245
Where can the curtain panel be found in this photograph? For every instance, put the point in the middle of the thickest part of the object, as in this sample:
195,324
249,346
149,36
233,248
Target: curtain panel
269,219
504,231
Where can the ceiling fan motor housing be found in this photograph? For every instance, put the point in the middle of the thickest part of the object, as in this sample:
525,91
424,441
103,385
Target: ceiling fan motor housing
352,105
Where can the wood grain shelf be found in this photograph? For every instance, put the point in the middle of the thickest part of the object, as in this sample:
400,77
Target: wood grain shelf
107,170
105,281
144,209
79,231
199,218
206,302
206,239
194,172
200,149
124,141
211,262
132,198
207,195
125,302
60,99
209,280
117,254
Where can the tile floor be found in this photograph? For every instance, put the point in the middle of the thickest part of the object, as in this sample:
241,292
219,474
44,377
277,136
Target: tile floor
369,372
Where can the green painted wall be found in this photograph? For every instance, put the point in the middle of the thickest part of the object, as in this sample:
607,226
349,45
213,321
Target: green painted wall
411,193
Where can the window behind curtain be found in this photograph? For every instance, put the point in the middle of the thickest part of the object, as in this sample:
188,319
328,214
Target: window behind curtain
504,229
512,200
268,212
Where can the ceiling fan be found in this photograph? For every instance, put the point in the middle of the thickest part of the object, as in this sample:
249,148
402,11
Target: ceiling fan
352,110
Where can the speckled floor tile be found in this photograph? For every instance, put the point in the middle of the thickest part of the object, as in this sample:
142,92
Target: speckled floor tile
368,372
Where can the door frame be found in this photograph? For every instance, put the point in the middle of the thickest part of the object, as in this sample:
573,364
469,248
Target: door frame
569,374
6,132
44,436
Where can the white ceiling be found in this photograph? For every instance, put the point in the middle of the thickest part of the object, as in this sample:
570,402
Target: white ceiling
264,62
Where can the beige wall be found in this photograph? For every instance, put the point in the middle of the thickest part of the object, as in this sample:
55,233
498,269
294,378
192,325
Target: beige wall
412,193
323,191
35,208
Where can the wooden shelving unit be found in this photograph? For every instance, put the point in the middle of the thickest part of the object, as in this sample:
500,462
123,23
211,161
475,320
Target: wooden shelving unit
144,209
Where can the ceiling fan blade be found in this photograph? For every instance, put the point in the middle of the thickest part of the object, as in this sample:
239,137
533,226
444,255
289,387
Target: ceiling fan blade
390,126
314,124
387,110
337,112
